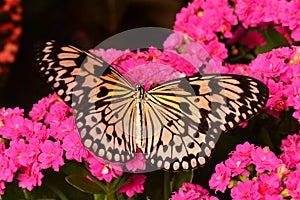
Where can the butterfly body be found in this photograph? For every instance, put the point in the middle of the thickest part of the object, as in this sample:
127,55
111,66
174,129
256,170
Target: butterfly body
140,98
175,125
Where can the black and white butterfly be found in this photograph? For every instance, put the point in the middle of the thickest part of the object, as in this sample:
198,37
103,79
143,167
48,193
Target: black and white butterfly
175,125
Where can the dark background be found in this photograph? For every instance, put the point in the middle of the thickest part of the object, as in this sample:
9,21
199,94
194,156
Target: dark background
85,23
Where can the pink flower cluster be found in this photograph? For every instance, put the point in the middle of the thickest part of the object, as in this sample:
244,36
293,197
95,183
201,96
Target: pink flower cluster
192,192
134,185
253,172
45,140
136,66
254,12
211,23
201,20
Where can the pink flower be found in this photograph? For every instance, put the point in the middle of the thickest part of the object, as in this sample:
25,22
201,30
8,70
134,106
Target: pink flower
293,184
74,148
237,166
268,64
57,113
217,50
241,69
13,128
293,94
103,170
173,41
16,151
221,178
137,163
30,176
32,152
198,56
10,112
2,147
110,55
244,124
2,187
40,109
291,150
36,130
243,152
296,115
7,169
23,153
254,39
66,127
245,191
291,74
134,185
189,191
51,155
250,13
202,19
269,184
264,159
237,35
290,15
162,65
276,102
296,33
181,64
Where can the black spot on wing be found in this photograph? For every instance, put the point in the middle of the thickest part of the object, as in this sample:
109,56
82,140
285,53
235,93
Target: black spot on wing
103,91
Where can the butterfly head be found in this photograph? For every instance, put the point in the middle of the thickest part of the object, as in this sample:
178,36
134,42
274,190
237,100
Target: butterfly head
140,92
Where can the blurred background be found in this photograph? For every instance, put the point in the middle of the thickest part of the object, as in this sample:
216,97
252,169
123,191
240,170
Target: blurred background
85,23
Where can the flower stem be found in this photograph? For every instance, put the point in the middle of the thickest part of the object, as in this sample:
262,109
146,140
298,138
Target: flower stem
110,195
25,192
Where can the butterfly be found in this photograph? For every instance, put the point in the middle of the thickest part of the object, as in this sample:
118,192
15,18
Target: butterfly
175,125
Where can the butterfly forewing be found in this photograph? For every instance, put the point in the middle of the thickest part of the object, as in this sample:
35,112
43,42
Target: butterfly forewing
60,65
100,96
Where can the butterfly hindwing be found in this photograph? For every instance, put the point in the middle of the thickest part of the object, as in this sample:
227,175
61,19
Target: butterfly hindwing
195,110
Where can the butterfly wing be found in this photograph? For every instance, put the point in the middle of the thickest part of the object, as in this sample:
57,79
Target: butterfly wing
192,112
100,96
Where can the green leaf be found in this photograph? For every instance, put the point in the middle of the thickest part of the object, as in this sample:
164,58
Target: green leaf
120,181
274,40
100,197
181,177
83,184
72,167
